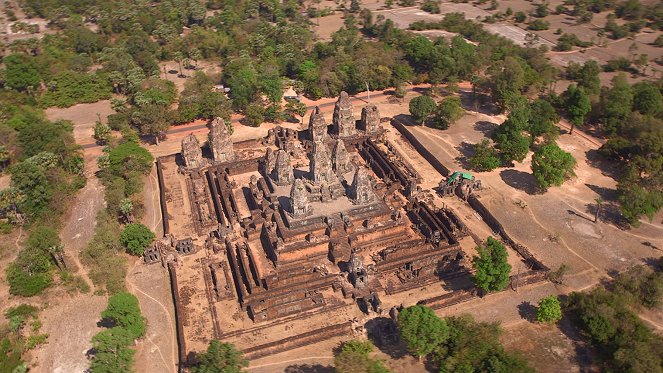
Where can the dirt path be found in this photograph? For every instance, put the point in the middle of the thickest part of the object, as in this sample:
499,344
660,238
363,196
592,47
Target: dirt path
80,227
71,322
158,352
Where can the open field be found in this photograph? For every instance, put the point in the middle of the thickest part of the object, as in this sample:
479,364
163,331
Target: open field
610,49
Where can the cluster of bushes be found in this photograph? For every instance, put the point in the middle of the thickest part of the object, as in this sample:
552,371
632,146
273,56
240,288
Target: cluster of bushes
219,357
538,25
566,42
526,124
607,317
440,115
112,347
69,88
148,108
32,271
122,171
630,114
456,344
46,171
20,335
431,6
353,357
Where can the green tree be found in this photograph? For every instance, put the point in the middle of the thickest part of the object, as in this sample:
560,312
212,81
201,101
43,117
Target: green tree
586,75
242,79
421,329
549,310
647,98
21,72
552,166
616,103
421,108
542,121
635,201
152,120
27,283
475,347
124,311
492,266
513,146
112,352
448,111
354,358
295,108
400,91
102,133
354,345
220,358
30,179
129,158
254,115
199,99
485,157
577,105
136,238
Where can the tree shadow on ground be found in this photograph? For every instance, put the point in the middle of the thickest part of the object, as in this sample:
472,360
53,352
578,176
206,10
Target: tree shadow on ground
607,194
610,213
520,180
608,168
106,323
594,130
527,311
308,368
478,102
585,355
654,263
458,283
383,333
431,366
485,127
406,119
466,151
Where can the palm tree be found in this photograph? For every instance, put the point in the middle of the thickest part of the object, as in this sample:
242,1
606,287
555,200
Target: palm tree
599,203
178,57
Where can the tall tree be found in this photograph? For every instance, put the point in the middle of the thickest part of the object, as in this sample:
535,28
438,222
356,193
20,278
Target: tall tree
123,309
485,157
421,329
354,358
549,310
647,98
542,121
448,111
421,108
616,103
577,105
112,352
220,358
492,266
552,166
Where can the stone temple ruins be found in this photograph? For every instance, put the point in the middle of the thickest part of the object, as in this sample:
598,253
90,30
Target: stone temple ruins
282,241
